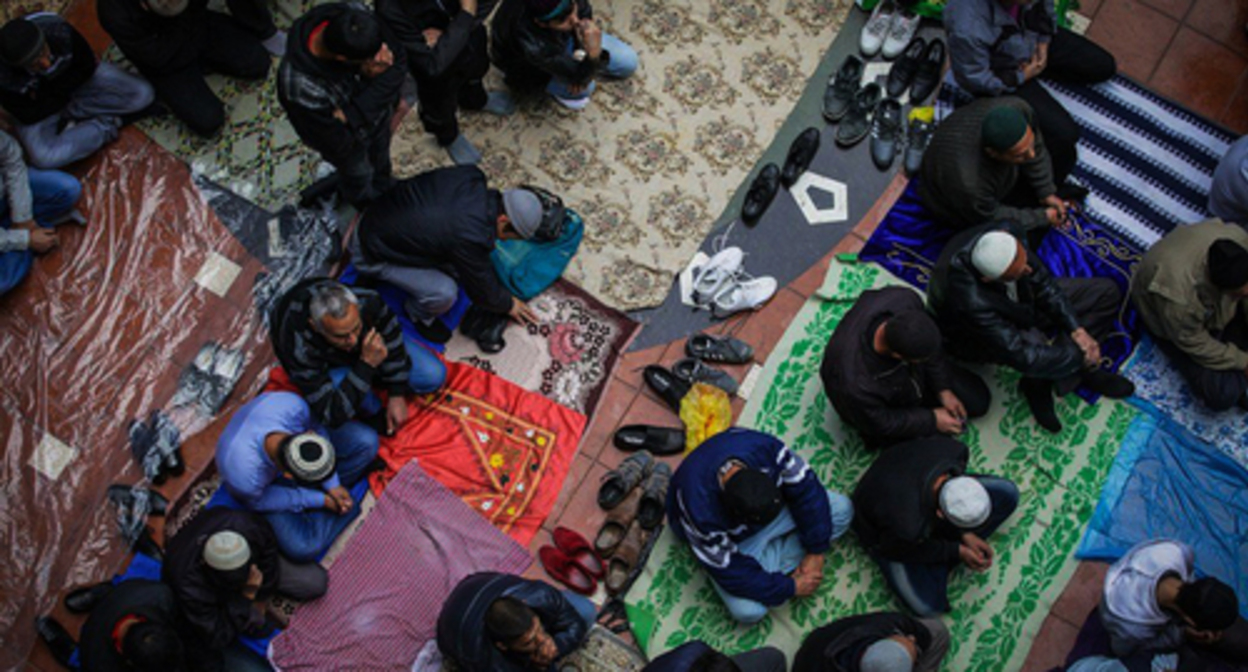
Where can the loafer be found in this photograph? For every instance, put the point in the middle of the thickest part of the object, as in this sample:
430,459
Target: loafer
579,550
563,569
918,137
58,639
875,31
83,600
670,388
693,371
656,440
905,25
719,349
901,75
1108,384
801,153
929,72
857,122
123,496
762,190
841,88
886,133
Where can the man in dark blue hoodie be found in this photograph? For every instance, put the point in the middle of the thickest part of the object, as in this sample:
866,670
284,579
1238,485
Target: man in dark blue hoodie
758,520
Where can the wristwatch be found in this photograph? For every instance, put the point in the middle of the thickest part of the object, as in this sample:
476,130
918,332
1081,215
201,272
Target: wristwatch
579,55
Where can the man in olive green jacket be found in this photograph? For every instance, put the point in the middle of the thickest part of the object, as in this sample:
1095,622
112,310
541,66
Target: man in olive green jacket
1189,289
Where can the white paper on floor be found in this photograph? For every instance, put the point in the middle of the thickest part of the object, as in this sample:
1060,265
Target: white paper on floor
217,274
51,456
839,212
747,383
686,278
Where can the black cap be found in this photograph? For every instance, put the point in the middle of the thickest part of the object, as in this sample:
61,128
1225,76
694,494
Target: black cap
751,497
912,335
1228,264
20,42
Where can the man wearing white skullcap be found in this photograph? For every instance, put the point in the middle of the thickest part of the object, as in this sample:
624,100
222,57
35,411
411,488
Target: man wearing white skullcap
920,516
998,303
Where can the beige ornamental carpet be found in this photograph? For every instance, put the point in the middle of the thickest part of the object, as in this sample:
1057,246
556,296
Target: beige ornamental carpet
653,160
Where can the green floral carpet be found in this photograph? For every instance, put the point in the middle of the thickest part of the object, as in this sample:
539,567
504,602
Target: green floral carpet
996,614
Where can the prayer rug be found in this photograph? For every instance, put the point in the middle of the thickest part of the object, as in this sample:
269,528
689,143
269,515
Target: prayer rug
1167,483
996,614
654,159
414,548
1159,386
1147,162
503,450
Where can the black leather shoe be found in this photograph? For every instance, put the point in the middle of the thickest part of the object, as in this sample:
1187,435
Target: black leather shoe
902,74
918,137
657,440
761,193
801,153
929,72
123,496
1039,396
82,600
857,123
665,384
841,88
485,328
886,133
58,639
1108,384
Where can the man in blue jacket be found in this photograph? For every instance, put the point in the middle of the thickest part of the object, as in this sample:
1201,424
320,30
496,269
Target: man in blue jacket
758,520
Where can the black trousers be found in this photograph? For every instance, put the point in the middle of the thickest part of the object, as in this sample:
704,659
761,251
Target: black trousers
968,386
366,174
233,50
460,87
1073,59
1096,302
1219,390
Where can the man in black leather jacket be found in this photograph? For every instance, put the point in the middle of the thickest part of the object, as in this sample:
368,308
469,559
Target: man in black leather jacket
996,302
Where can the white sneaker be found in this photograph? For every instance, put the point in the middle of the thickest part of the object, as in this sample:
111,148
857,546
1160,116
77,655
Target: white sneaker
719,270
877,28
905,25
742,295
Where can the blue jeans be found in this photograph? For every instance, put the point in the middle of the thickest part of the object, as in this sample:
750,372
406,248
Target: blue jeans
923,587
778,549
427,374
303,536
623,63
54,194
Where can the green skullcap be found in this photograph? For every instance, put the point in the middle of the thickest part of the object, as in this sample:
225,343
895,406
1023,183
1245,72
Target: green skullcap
1003,128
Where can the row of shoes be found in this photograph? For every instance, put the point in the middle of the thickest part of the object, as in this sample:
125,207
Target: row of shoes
634,495
722,285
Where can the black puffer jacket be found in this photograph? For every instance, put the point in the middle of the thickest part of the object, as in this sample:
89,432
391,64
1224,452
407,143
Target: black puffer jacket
461,625
879,395
530,55
445,219
35,97
981,323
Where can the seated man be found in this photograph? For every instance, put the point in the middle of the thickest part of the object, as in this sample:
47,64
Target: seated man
995,302
340,83
223,567
32,203
174,43
66,103
337,343
884,641
1154,603
440,227
1228,195
276,460
696,656
885,374
448,53
495,622
1189,288
556,46
1007,46
987,163
920,515
758,520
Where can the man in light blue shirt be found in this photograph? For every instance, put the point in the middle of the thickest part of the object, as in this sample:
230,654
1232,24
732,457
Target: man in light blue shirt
271,460
1228,195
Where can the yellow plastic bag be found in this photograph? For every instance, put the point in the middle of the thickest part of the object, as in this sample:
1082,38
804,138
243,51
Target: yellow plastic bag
706,412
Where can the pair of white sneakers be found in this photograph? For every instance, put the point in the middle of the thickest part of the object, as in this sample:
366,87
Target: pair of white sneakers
722,286
889,30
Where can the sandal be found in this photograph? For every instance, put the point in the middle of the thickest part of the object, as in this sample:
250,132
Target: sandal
579,550
719,349
694,371
621,480
615,615
622,567
617,524
654,497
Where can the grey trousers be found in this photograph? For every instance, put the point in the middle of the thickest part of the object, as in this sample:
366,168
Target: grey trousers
91,119
931,657
302,582
430,292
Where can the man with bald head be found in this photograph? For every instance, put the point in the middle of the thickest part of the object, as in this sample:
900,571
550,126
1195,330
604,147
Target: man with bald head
997,303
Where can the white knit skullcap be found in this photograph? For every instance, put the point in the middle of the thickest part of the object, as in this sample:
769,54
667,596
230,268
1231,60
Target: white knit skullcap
993,253
965,502
310,457
226,551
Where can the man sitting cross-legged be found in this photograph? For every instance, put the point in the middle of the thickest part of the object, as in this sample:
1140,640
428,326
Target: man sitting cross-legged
757,518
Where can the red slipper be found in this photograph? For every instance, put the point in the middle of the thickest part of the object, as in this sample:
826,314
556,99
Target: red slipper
580,551
566,571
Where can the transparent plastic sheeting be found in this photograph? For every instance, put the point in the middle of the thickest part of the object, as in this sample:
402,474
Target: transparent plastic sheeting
99,335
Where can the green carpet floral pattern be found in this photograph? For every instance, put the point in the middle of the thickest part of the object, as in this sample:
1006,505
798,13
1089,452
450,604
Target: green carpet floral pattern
654,159
996,614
